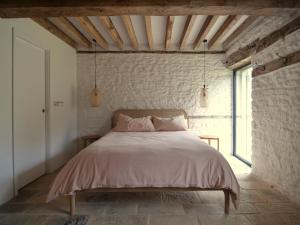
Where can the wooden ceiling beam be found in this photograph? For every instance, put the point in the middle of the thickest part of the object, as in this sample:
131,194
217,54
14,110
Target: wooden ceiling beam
276,64
52,28
67,25
169,29
151,52
149,31
56,8
108,24
92,30
130,30
226,26
206,27
239,31
187,30
237,58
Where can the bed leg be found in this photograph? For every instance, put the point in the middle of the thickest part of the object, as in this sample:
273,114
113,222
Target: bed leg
72,204
227,201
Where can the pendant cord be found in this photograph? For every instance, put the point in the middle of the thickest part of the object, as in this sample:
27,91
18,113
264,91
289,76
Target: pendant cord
95,59
204,45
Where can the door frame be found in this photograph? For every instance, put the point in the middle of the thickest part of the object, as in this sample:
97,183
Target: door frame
47,101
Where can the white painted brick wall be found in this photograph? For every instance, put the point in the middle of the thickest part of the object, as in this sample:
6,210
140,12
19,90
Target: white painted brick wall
276,129
276,112
155,81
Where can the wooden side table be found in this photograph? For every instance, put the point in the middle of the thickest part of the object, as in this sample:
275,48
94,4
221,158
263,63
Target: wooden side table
88,139
211,137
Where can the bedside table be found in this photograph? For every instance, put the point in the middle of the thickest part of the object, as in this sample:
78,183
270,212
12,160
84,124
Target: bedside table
209,138
88,139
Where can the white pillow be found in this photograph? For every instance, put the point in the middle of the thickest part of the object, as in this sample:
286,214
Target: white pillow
178,123
127,124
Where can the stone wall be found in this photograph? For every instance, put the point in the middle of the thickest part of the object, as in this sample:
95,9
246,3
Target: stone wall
276,111
156,81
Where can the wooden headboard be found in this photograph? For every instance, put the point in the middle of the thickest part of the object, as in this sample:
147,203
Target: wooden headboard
135,113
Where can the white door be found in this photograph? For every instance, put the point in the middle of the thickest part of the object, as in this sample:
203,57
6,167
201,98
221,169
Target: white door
28,108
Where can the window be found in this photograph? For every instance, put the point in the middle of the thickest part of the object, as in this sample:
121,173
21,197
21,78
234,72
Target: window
242,114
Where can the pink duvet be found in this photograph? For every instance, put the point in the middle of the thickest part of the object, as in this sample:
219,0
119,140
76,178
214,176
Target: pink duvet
146,159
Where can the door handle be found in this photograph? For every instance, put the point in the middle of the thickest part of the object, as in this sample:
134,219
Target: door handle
43,110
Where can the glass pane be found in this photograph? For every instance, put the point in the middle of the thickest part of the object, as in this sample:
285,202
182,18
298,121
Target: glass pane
243,113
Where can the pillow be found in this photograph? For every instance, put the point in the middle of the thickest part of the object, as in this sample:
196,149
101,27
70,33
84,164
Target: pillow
177,123
127,124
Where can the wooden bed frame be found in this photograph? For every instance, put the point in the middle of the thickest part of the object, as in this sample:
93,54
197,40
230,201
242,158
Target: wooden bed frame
160,113
152,189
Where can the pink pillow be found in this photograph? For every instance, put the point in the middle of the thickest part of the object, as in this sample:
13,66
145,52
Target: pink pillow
178,123
127,124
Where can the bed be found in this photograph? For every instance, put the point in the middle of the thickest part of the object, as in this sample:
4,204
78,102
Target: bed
147,161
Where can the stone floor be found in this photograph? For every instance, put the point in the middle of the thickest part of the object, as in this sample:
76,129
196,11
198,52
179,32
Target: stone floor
260,205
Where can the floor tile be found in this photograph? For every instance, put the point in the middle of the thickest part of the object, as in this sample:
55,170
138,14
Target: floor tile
14,208
265,219
205,208
291,219
271,195
24,196
94,197
254,185
119,220
212,196
66,220
90,209
272,207
244,208
120,209
251,196
223,220
185,197
21,219
47,209
39,197
173,220
56,220
160,208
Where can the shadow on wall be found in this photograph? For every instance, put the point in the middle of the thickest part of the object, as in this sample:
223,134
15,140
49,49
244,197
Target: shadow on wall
57,161
24,177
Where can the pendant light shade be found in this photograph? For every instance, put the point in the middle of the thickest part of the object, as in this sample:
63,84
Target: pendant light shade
95,95
204,91
204,97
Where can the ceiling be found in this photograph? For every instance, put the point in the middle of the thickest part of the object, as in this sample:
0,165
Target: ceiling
146,25
148,33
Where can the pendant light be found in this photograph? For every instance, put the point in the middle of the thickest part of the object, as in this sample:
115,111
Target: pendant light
95,97
204,92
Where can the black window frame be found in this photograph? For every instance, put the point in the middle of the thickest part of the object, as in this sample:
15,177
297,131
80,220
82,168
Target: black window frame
234,152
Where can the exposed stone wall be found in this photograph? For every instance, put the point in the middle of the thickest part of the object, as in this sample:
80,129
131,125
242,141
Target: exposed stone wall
276,112
156,81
